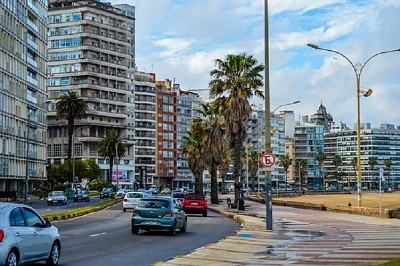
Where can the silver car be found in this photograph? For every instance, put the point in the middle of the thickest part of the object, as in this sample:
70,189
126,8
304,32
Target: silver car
56,197
25,237
131,200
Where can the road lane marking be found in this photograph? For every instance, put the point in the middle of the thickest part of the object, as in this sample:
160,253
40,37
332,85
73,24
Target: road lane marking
99,234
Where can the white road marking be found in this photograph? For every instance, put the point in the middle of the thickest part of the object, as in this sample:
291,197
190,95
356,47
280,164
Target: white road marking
99,234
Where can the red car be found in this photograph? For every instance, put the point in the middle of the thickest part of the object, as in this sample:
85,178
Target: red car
194,203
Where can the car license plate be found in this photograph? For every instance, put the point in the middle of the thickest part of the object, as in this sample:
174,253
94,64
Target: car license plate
194,203
150,222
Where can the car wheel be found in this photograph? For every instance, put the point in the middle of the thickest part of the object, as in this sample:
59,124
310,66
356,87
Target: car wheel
135,230
12,258
172,231
54,256
184,227
124,210
205,213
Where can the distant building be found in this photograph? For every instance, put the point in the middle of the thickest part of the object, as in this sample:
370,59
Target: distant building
322,118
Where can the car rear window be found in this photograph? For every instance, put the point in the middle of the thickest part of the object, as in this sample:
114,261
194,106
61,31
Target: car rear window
134,195
194,196
178,195
153,204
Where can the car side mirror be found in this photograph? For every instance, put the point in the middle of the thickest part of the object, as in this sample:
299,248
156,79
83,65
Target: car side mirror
47,224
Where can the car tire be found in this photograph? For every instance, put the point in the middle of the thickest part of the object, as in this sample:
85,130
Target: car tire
172,231
54,256
184,227
124,210
12,258
135,230
205,213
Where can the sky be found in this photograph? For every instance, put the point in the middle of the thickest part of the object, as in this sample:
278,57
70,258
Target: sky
180,39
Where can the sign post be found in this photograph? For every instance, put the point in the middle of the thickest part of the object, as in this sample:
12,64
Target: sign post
268,160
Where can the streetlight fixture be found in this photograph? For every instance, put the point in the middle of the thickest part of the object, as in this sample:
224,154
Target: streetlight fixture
359,92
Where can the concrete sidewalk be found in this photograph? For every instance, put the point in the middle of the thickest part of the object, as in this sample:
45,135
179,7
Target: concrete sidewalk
299,237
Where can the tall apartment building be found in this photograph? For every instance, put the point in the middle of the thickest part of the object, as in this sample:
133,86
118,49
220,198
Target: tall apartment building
380,143
186,103
92,51
23,52
144,128
309,141
166,169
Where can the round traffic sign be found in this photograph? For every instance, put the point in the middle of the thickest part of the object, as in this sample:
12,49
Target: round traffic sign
268,159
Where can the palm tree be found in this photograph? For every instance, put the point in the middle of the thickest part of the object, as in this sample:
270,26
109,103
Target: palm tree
337,161
254,163
236,79
354,165
70,106
112,147
285,162
321,157
388,164
192,147
372,162
214,143
301,165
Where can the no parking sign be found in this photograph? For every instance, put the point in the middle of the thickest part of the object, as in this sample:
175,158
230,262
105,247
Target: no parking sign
268,160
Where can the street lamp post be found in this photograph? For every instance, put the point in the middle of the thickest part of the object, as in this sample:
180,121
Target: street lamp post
357,72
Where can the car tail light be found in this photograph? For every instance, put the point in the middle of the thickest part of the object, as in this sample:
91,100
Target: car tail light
169,213
135,212
125,200
1,235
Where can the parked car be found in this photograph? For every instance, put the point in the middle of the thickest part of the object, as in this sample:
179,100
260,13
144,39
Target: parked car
145,191
57,197
121,192
82,194
158,213
154,189
107,193
25,237
131,200
331,188
194,203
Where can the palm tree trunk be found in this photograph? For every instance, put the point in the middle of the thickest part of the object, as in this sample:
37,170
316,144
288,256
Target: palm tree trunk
198,184
70,133
111,169
214,184
236,172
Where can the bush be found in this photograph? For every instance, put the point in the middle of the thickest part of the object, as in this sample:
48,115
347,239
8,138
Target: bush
98,184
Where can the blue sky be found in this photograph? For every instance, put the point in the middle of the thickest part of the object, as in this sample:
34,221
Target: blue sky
180,39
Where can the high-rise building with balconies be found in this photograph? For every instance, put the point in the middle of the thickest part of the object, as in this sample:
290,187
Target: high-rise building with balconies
92,51
23,50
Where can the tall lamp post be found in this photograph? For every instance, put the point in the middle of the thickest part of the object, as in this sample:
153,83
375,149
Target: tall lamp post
26,185
359,92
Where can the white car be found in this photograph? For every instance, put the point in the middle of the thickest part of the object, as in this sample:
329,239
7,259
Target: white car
121,192
56,197
25,237
131,200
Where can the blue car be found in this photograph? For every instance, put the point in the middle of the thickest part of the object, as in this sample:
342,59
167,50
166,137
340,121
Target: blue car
158,213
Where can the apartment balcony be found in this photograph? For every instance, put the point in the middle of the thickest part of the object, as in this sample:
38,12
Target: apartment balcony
33,7
31,61
32,25
32,44
32,80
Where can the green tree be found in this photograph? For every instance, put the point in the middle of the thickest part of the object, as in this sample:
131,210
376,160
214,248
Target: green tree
337,161
93,169
192,147
300,166
98,184
111,146
70,107
234,81
214,142
388,163
285,162
372,162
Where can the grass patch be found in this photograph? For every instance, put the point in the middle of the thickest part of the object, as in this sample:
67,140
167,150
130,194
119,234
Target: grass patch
81,211
395,262
369,200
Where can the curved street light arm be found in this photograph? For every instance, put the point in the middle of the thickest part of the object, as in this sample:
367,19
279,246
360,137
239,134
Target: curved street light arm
375,55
